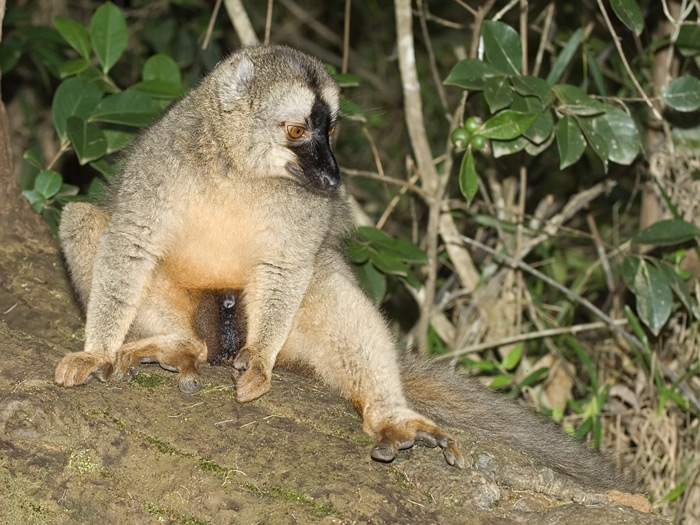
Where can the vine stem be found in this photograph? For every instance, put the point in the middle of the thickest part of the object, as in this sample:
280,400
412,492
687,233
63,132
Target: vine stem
507,341
618,45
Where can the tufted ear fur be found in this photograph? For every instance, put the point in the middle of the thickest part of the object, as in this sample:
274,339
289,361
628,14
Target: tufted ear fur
237,81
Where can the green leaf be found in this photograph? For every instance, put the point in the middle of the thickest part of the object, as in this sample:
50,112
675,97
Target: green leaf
679,287
597,142
106,169
162,67
501,148
468,179
586,360
36,199
596,72
565,57
498,93
131,108
75,34
471,74
109,34
70,68
74,96
387,263
501,381
653,293
530,86
570,142
542,127
159,89
502,47
373,282
47,183
346,80
688,41
402,248
32,159
88,140
67,190
628,13
358,253
620,132
576,101
350,110
666,233
11,50
533,377
507,125
513,358
117,140
683,94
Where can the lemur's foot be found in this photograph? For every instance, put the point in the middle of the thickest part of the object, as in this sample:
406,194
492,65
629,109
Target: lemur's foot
395,436
130,356
253,377
80,367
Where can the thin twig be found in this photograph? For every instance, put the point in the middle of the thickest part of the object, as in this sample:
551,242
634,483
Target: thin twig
618,45
519,244
544,39
413,107
549,332
467,7
346,38
384,178
210,27
476,27
500,14
313,24
268,22
422,10
241,23
523,35
394,202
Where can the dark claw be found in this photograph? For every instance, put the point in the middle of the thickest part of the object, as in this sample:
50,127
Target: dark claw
406,444
169,368
189,384
425,439
103,373
384,452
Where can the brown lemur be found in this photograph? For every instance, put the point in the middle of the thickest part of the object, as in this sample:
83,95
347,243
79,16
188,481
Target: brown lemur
229,217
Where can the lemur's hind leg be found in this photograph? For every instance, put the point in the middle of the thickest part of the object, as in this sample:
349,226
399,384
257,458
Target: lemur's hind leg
163,323
339,333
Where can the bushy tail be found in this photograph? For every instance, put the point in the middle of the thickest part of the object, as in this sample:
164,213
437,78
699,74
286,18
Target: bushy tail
461,402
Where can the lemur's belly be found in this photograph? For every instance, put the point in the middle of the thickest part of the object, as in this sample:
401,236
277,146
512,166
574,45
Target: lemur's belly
216,251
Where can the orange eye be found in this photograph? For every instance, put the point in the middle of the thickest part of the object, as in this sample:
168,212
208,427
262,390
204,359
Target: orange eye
331,131
295,132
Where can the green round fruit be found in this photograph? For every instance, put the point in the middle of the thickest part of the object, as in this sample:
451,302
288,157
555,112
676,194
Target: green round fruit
472,124
478,142
460,137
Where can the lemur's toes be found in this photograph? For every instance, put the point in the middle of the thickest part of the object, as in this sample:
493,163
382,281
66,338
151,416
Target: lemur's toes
410,432
452,454
252,376
80,367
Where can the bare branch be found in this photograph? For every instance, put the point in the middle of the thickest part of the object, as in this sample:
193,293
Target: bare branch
241,23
